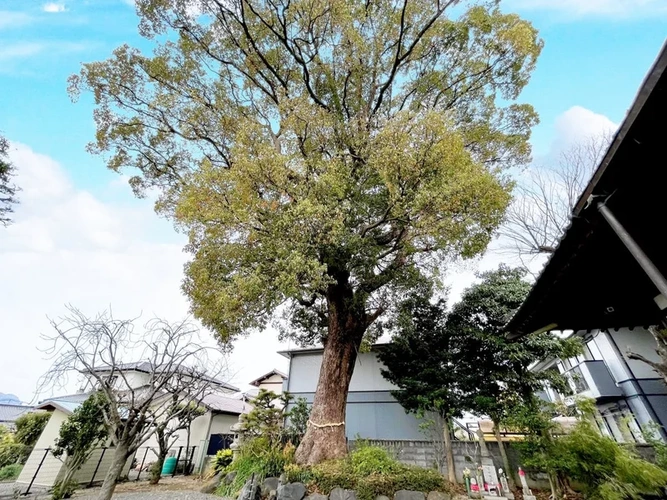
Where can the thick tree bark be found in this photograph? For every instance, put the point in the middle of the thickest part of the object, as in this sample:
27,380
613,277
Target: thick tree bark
449,452
325,436
503,453
120,456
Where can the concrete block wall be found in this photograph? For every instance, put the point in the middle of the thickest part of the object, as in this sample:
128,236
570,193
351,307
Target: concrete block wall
466,455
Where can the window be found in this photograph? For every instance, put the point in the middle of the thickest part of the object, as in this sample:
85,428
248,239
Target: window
578,380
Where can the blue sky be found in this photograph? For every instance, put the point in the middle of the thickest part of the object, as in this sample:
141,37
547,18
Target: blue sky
81,237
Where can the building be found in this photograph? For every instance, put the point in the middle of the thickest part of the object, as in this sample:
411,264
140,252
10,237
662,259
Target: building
607,275
628,394
9,412
372,412
272,381
208,433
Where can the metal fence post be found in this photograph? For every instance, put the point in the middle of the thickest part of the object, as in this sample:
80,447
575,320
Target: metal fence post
41,462
97,467
189,462
141,467
178,457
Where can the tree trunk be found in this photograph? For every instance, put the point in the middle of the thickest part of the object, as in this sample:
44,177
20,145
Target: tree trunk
503,453
156,468
120,456
325,435
449,452
189,454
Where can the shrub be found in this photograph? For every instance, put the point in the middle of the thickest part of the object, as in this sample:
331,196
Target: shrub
259,457
221,460
11,451
64,489
369,470
30,426
10,472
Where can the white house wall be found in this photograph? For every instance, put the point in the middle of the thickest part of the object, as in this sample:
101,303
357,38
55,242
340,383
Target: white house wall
371,412
48,472
274,383
640,341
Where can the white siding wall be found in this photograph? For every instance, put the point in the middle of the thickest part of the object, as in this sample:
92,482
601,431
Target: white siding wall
640,341
273,383
222,423
51,466
305,370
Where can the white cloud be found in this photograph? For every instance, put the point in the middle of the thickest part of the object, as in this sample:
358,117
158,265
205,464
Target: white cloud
68,246
53,7
13,19
620,9
578,124
22,50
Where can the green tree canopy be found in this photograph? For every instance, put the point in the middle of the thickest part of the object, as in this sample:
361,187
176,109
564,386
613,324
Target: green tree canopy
496,370
322,155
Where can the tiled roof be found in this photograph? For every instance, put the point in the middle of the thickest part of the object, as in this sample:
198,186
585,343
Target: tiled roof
225,404
259,380
148,367
9,413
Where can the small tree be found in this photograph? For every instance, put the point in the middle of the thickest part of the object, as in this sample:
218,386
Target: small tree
422,361
267,418
493,370
81,433
177,419
7,188
174,357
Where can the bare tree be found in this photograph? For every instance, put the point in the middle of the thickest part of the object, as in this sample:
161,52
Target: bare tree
172,355
7,188
543,202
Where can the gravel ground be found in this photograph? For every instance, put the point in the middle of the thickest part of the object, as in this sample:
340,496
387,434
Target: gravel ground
178,488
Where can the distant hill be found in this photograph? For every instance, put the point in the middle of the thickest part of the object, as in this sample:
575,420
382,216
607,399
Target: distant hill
9,399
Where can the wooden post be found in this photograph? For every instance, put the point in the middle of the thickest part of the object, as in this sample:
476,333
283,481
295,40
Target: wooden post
142,464
178,457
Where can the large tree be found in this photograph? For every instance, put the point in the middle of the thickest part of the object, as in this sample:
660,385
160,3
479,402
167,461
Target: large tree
322,156
7,187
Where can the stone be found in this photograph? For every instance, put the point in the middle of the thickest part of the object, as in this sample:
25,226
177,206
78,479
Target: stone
409,495
317,496
250,490
381,497
291,491
438,495
211,485
342,494
268,485
229,478
273,495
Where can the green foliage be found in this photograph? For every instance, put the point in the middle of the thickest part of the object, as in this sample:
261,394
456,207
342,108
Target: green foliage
422,358
64,489
9,472
274,418
30,426
343,144
84,429
11,452
371,472
605,469
221,460
78,436
260,457
651,434
297,422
